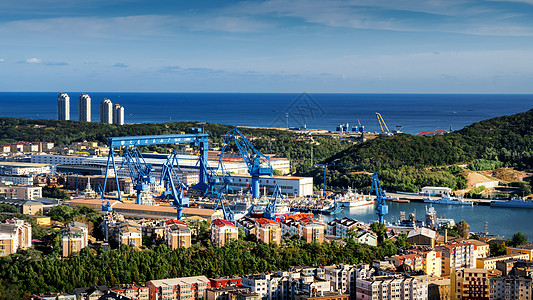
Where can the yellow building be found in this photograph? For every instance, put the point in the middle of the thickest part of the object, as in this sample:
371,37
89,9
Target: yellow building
432,263
222,232
482,249
525,249
14,234
489,263
74,237
470,284
177,234
268,231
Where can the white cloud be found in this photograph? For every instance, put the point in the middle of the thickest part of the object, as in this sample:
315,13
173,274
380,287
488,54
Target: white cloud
1,59
33,60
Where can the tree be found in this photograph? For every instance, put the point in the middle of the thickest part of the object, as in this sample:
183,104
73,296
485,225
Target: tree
463,229
518,239
497,249
379,229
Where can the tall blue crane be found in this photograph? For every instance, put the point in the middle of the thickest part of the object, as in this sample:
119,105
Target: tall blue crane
325,166
105,206
258,164
229,215
140,171
270,210
174,187
381,206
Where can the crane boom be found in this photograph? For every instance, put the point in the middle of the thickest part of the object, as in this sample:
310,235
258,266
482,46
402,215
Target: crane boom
140,171
381,206
382,123
173,186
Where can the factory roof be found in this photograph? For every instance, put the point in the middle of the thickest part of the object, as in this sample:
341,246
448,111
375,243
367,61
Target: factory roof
422,231
182,280
22,164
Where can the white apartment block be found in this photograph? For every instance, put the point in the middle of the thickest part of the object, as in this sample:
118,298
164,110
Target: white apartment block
84,108
63,107
398,287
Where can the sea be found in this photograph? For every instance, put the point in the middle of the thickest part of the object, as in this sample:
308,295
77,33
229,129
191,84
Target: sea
410,113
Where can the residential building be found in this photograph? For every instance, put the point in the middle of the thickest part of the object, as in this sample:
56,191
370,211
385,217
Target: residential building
222,232
482,249
311,230
118,114
225,281
231,293
21,191
341,227
132,291
54,296
366,237
408,262
321,296
247,225
510,287
74,237
456,256
432,260
489,263
439,289
129,233
422,236
84,108
526,249
177,234
193,288
397,287
26,207
268,231
63,107
470,284
15,234
106,111
341,278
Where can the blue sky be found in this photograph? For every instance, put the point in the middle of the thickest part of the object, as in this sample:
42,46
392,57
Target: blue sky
353,46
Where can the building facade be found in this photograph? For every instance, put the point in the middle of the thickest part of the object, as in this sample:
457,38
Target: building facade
118,114
14,234
470,284
184,288
222,232
106,111
84,108
268,231
393,287
457,256
510,287
63,107
74,237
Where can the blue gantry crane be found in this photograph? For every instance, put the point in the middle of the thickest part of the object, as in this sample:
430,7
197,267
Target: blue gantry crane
381,206
229,215
258,164
140,171
174,187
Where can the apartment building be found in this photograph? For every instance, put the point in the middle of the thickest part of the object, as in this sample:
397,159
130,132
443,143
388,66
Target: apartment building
311,230
489,263
283,285
177,234
268,231
222,232
26,207
470,284
184,288
21,191
408,262
456,256
341,227
129,233
398,287
526,249
247,225
342,278
422,236
439,289
510,287
133,291
432,260
74,237
15,234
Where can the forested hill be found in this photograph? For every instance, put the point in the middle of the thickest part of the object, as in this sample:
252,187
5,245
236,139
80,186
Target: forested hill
507,139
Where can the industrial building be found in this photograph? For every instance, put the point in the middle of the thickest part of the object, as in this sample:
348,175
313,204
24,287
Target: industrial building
23,168
290,185
84,108
106,111
63,107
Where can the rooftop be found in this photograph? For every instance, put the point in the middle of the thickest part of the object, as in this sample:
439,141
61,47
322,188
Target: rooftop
182,280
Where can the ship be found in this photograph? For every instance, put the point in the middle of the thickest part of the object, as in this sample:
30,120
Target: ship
514,202
447,199
353,199
334,209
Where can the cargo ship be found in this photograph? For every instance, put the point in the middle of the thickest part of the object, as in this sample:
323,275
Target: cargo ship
514,202
447,199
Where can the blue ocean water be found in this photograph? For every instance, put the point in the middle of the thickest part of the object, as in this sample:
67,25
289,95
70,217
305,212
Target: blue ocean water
414,112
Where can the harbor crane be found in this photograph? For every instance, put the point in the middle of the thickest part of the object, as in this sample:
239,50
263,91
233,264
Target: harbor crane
270,210
382,124
258,164
325,166
229,215
381,206
174,187
140,171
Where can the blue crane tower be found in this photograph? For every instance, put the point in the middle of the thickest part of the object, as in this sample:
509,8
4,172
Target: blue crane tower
270,210
174,187
198,138
229,215
381,206
140,171
258,164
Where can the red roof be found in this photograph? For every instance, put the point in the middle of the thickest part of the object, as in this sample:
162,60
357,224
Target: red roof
426,133
222,223
172,221
442,131
265,221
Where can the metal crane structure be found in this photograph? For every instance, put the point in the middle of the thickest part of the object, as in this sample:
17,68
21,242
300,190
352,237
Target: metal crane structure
270,210
382,124
229,215
198,138
381,206
325,166
174,187
258,164
106,207
140,171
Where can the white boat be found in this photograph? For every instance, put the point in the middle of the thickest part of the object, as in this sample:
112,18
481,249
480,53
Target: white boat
514,202
353,199
447,199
